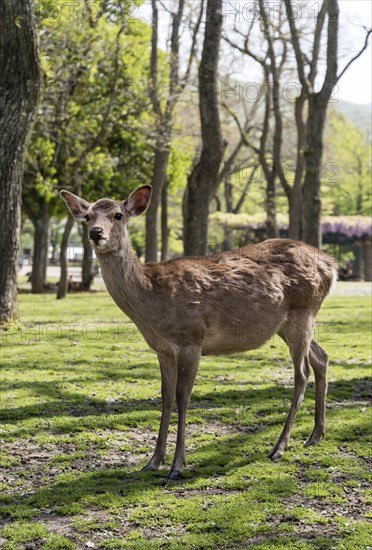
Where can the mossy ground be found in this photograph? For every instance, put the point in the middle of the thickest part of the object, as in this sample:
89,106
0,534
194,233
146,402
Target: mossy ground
80,412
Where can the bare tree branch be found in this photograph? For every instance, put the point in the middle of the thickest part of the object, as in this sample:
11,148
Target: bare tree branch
244,50
241,200
296,45
235,46
174,59
316,45
154,92
243,139
265,128
165,8
355,56
193,46
278,130
237,122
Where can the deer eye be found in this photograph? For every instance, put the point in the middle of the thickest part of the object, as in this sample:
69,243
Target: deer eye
87,218
118,216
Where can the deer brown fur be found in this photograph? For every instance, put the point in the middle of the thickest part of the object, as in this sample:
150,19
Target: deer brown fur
224,303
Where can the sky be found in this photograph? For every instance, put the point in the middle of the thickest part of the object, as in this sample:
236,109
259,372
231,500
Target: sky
355,85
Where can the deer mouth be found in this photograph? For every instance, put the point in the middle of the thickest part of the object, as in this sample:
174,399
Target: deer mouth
99,243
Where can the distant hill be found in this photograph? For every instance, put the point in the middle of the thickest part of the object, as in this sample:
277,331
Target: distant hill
359,115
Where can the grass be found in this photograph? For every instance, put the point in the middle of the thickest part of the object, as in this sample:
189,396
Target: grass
80,413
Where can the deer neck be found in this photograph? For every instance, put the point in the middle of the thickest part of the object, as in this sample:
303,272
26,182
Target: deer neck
124,278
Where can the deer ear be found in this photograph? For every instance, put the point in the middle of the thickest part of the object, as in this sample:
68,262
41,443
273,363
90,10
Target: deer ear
138,201
76,205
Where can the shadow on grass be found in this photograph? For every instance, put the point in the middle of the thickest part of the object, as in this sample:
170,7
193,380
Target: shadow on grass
267,404
214,466
101,488
215,461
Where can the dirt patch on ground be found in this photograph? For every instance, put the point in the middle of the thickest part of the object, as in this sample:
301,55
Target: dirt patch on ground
38,465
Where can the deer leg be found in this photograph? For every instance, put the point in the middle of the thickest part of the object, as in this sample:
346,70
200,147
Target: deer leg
187,367
319,362
168,368
297,334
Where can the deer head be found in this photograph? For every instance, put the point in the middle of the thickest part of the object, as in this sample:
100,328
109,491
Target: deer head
107,219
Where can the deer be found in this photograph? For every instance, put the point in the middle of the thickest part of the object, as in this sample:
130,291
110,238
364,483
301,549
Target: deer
189,307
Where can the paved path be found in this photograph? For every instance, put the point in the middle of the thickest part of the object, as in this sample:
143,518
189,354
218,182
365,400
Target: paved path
353,288
343,288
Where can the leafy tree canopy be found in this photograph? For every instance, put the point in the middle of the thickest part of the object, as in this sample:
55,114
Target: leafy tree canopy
91,129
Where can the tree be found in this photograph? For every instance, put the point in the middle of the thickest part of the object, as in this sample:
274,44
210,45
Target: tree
163,105
317,105
281,38
19,92
203,181
235,164
272,61
39,200
89,129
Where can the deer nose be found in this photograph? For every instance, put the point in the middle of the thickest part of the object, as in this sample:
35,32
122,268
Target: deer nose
95,233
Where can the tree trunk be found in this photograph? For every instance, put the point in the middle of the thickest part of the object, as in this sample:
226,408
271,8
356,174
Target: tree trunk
359,196
367,257
295,199
87,268
54,242
227,241
164,222
358,262
160,172
313,156
19,92
317,109
62,286
295,212
40,255
271,224
196,211
202,183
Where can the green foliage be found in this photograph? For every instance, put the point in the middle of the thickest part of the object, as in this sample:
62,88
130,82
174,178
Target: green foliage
347,169
180,159
89,130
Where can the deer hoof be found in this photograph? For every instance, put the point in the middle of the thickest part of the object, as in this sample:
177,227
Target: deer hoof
314,439
148,468
174,475
275,454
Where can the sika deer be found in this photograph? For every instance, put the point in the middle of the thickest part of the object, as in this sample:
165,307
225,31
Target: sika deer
218,304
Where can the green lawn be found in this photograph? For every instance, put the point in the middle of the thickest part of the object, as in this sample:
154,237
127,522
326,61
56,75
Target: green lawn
80,414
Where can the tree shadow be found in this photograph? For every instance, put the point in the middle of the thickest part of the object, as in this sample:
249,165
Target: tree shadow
212,459
268,404
224,456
